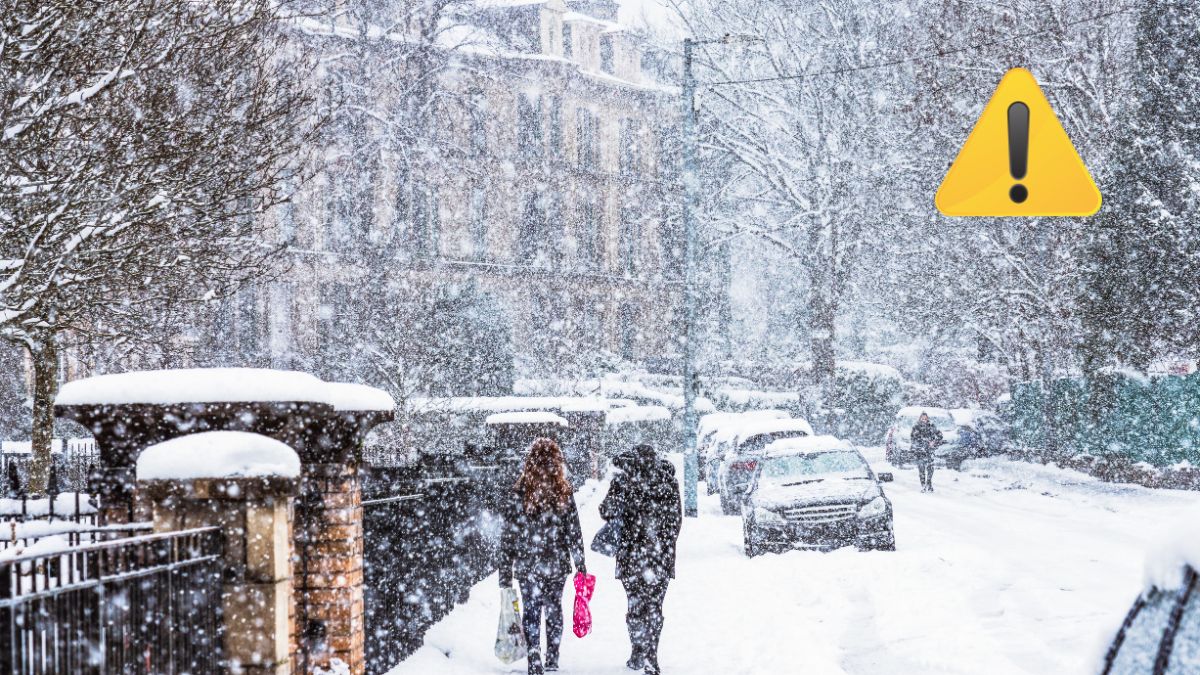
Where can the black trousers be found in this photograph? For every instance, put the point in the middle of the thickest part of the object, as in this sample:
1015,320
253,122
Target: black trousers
644,616
925,468
542,594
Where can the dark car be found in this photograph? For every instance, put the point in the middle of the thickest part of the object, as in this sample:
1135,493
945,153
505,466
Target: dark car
816,493
1161,632
987,433
737,466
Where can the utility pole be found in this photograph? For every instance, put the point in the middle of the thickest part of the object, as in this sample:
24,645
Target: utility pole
691,468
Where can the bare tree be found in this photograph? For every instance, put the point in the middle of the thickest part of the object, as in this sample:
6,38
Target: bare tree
140,142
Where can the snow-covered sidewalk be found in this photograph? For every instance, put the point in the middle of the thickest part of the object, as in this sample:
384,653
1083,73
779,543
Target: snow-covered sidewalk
1007,568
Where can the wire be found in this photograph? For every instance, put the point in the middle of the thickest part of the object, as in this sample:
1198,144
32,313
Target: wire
912,59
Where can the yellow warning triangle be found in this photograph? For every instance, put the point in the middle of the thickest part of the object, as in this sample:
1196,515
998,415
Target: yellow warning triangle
988,177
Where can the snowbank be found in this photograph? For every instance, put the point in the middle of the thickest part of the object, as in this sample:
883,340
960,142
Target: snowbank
1178,548
526,417
218,454
220,385
641,413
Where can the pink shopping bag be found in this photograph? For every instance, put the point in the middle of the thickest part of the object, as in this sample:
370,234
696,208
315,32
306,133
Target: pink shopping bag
585,584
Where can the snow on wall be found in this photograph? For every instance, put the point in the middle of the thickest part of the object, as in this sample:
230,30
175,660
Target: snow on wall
641,413
526,417
220,385
218,454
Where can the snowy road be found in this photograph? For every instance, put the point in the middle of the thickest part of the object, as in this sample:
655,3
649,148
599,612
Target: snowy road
1007,568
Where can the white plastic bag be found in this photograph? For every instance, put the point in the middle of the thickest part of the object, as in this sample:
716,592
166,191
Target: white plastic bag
510,640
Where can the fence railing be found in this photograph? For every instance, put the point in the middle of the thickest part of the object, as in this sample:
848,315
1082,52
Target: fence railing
72,471
71,537
147,604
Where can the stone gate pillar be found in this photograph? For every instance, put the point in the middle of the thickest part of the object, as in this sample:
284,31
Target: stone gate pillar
254,513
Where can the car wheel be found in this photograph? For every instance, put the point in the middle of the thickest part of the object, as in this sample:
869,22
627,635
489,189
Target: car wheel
753,548
710,487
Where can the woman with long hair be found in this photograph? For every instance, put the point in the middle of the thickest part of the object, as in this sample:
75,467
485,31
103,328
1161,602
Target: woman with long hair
540,541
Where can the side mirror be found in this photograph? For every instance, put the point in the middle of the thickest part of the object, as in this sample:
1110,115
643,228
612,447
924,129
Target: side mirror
885,477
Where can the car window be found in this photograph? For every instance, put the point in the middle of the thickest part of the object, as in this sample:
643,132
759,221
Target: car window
1185,650
814,464
757,443
1139,648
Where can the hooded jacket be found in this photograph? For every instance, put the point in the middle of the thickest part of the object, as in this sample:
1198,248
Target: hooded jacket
539,545
645,496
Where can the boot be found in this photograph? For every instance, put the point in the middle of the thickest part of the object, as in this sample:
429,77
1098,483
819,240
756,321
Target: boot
636,661
551,658
535,664
652,666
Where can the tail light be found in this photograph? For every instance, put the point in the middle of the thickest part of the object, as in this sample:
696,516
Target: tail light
744,465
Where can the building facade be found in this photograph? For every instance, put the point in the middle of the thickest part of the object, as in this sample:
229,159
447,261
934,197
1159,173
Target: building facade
545,175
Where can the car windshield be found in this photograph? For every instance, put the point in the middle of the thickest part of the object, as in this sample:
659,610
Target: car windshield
798,468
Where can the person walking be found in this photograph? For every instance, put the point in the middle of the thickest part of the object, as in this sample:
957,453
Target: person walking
540,540
644,497
925,438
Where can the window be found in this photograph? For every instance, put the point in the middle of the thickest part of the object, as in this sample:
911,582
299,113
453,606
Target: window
628,331
478,112
287,211
631,160
589,235
532,224
606,55
567,47
479,223
1142,637
529,126
281,325
587,130
630,236
426,223
1185,650
556,128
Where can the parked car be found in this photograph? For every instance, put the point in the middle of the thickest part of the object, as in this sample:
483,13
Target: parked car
1161,631
714,428
736,466
816,493
899,437
992,432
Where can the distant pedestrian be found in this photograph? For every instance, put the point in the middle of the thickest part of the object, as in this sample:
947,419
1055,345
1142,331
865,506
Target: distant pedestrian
540,540
644,496
925,438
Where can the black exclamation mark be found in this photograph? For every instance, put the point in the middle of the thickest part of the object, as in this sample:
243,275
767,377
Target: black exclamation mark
1018,148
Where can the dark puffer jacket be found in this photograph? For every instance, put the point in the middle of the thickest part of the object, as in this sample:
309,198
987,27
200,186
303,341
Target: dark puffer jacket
925,438
542,545
645,497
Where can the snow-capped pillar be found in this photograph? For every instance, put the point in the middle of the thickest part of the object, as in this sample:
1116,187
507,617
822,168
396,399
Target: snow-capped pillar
244,484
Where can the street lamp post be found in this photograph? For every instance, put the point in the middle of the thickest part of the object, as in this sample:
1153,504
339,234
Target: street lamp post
691,187
691,469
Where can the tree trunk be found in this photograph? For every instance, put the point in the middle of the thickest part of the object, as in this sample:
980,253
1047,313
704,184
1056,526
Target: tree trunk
823,314
44,354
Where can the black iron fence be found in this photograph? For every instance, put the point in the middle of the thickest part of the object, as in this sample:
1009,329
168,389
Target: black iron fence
146,604
71,472
431,531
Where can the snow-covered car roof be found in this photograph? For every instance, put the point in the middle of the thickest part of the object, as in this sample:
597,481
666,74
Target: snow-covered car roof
969,415
714,422
526,417
803,445
757,427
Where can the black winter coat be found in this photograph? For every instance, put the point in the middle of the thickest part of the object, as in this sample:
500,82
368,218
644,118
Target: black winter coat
645,496
542,545
925,437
